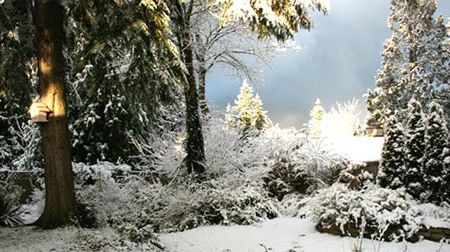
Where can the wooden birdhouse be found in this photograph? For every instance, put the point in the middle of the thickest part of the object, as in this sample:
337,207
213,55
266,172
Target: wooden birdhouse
39,112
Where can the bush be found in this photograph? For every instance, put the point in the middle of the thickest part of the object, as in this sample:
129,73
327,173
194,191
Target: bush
10,209
88,174
224,201
303,169
230,200
372,212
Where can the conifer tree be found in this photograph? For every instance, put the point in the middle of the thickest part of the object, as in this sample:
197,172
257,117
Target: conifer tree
392,164
260,119
446,160
243,106
314,123
414,147
435,151
414,60
247,113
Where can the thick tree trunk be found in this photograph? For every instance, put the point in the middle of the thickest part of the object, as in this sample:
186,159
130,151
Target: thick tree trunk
195,149
59,188
195,160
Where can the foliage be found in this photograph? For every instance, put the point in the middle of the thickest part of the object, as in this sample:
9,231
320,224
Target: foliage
116,90
136,205
247,114
415,61
376,212
303,170
436,143
392,165
281,19
10,209
414,150
314,124
88,174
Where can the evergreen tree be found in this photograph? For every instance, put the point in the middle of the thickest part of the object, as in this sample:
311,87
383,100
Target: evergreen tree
315,122
247,114
414,147
260,120
414,60
446,161
436,171
243,106
392,165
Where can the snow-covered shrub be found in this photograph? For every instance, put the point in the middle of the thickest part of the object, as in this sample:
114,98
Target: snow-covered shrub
303,169
224,201
88,174
20,146
373,211
106,240
284,178
10,209
435,212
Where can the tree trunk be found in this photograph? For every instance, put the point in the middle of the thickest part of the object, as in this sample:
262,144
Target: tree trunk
59,188
202,90
195,159
201,72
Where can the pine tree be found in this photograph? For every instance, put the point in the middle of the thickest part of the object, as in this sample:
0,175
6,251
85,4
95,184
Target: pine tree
414,147
446,161
414,60
260,120
247,114
243,105
314,123
435,151
392,164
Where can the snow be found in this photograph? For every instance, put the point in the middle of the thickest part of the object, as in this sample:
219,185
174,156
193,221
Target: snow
358,149
281,234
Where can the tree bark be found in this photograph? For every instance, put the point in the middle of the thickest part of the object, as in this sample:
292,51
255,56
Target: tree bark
59,188
202,90
201,73
195,159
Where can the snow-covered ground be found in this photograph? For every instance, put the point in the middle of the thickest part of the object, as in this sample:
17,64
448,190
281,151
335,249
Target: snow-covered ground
277,235
281,234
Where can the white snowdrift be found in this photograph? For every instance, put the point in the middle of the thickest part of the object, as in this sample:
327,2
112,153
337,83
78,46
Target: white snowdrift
281,234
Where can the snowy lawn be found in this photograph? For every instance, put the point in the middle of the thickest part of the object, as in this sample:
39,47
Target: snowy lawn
278,235
281,235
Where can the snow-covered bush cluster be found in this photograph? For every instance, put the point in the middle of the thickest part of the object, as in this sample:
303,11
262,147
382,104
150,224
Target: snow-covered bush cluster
303,169
373,212
88,174
137,206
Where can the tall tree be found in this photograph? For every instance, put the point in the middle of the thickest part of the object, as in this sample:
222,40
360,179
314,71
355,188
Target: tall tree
414,146
59,187
415,60
281,20
392,165
436,140
195,148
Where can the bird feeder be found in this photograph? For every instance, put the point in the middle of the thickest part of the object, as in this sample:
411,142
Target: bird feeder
39,112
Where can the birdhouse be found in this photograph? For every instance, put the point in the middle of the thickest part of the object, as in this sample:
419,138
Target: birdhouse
39,112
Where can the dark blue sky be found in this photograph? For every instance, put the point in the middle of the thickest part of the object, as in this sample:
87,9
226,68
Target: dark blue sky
337,62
